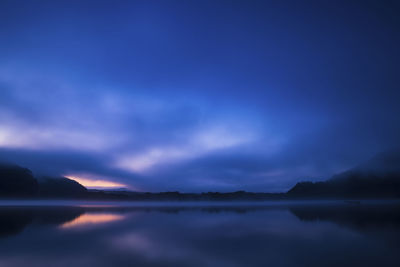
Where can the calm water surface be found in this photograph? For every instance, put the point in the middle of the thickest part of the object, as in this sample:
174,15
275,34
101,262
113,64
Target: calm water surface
283,234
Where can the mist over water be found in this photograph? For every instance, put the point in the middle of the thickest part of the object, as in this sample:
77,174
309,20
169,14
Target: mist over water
270,234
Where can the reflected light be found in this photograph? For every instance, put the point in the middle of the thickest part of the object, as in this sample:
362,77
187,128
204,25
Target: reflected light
89,183
93,218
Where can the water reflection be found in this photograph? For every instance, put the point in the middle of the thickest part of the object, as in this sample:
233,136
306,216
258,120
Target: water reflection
13,220
362,217
277,235
89,219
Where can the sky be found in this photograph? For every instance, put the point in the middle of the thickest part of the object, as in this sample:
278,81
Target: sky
197,96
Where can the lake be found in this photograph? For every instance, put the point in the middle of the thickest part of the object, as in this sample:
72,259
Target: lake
331,233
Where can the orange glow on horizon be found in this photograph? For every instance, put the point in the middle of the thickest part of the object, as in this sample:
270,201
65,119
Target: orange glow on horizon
96,183
94,218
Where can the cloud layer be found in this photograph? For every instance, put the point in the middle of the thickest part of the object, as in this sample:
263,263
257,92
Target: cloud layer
196,97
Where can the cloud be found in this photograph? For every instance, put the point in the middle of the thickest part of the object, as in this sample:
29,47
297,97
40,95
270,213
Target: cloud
202,142
166,99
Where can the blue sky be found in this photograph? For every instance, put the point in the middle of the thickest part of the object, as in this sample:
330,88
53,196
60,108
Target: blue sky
198,95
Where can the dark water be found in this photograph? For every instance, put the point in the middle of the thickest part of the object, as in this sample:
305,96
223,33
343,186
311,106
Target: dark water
328,234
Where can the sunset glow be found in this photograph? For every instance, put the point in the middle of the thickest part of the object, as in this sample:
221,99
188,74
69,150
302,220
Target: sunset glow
94,183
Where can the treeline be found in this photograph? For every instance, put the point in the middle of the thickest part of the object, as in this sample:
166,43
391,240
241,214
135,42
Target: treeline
178,196
18,182
376,179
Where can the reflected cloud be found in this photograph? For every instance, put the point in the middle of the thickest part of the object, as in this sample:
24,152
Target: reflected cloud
91,219
201,235
13,220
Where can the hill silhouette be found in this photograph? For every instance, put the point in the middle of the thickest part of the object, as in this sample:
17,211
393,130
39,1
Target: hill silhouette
378,177
16,181
60,187
19,182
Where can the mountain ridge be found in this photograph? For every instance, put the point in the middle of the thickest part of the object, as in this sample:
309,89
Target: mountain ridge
378,177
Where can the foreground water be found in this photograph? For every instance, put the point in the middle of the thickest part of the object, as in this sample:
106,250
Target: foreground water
199,234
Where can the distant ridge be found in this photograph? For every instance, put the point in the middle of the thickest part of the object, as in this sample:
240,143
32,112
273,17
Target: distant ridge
19,182
378,177
16,181
383,163
60,187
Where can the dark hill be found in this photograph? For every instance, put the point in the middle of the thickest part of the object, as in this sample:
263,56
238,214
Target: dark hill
60,187
16,181
376,178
